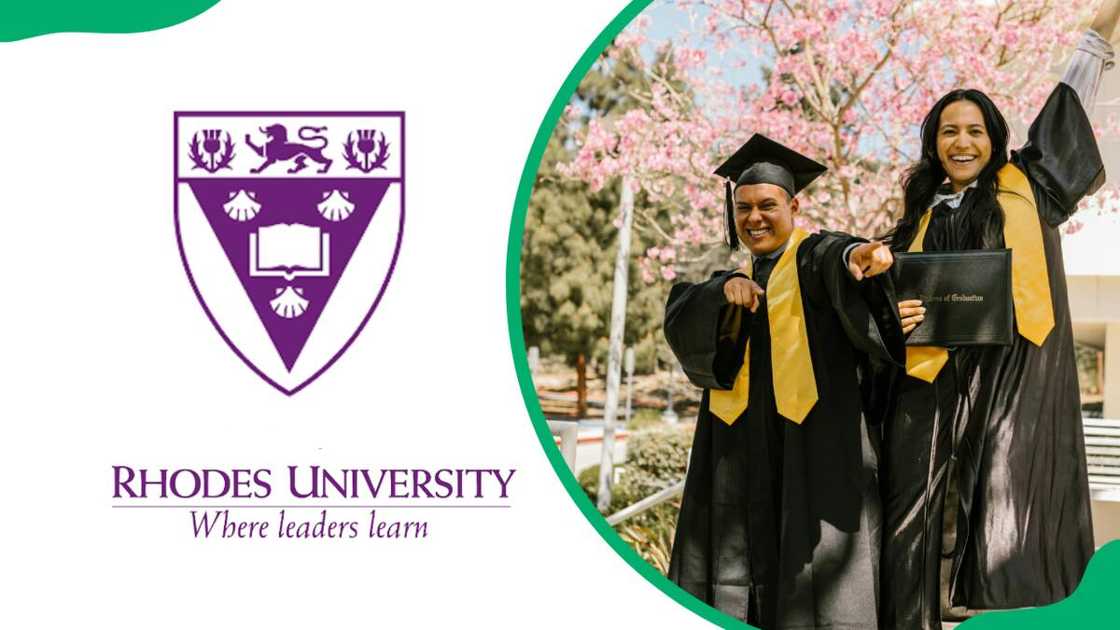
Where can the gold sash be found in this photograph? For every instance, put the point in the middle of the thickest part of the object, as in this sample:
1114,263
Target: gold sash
795,385
1030,282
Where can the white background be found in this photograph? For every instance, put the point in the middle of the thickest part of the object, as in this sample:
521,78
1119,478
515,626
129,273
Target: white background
106,357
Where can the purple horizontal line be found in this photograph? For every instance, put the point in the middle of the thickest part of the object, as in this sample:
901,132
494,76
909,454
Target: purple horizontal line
363,507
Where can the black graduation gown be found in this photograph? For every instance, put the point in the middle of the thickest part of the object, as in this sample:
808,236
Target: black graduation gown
779,523
1024,533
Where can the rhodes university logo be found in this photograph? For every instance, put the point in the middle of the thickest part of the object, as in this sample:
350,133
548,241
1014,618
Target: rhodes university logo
289,225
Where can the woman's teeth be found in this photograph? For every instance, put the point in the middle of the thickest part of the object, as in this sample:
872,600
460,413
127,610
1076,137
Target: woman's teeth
960,159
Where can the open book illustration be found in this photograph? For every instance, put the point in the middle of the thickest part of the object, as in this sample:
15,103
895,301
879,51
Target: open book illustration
289,251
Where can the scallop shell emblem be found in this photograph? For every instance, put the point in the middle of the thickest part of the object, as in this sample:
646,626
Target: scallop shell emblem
336,206
242,206
289,303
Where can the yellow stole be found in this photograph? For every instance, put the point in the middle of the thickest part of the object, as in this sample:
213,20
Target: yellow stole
1030,283
795,385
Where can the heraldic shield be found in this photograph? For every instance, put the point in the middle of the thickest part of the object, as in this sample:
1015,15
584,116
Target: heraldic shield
289,225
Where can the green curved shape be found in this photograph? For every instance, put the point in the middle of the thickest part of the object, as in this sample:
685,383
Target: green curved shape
1093,604
20,19
517,339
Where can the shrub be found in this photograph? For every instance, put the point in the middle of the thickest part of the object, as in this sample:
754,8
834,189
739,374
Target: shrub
622,494
656,458
644,418
651,534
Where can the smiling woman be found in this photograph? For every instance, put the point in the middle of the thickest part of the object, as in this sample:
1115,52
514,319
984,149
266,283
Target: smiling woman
995,426
963,145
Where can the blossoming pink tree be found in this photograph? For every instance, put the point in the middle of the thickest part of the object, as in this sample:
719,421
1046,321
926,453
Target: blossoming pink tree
847,82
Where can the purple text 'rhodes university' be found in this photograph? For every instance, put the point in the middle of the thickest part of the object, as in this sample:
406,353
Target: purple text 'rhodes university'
289,226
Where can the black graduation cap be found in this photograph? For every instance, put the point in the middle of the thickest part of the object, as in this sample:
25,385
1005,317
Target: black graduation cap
763,161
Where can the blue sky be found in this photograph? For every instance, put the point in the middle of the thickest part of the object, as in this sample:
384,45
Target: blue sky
667,22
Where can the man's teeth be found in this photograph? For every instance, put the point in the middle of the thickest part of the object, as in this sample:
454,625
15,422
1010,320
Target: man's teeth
757,233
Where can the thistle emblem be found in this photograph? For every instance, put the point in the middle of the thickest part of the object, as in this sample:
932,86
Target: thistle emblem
365,160
211,144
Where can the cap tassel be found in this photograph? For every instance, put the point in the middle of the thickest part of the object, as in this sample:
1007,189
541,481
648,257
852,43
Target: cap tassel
732,237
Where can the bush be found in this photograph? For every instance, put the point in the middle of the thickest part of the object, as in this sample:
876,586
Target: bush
651,534
622,494
659,456
656,458
589,480
644,418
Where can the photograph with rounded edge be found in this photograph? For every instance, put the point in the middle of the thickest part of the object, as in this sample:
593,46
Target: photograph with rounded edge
816,312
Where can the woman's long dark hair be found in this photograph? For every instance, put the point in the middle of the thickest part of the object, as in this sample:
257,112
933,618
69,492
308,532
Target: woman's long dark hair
921,181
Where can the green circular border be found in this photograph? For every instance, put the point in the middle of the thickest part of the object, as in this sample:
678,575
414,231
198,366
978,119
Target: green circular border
517,338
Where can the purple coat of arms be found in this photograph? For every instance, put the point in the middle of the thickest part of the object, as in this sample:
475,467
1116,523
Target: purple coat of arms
289,226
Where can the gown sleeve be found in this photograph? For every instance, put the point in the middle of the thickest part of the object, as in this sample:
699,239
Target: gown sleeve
1061,157
706,334
1086,67
867,309
868,314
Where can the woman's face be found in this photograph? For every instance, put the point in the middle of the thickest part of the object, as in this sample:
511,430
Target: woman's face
963,145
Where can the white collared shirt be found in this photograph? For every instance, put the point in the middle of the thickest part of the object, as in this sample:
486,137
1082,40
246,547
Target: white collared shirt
953,199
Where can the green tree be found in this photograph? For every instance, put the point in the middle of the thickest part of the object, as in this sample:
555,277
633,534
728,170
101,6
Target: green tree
570,239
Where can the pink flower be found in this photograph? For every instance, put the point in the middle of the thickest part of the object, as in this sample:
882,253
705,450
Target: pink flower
832,93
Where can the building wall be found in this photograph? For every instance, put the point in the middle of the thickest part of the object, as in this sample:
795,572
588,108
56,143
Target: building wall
1106,522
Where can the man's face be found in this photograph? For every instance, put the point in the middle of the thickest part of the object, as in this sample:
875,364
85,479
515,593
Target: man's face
764,216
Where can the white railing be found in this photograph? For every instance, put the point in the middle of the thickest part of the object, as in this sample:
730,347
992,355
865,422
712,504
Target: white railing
647,503
568,432
1102,450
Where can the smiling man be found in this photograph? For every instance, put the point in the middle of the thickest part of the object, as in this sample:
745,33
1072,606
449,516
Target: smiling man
779,524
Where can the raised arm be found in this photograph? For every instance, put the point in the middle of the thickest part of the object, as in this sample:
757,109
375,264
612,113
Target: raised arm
1093,55
1104,22
1061,156
865,306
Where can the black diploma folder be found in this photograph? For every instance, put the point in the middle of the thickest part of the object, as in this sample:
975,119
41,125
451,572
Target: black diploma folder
967,296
